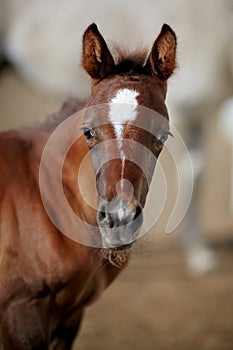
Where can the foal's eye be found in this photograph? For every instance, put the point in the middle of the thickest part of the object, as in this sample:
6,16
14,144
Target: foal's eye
88,133
163,138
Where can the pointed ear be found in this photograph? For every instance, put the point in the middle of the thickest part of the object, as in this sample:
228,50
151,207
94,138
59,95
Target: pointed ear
162,59
96,58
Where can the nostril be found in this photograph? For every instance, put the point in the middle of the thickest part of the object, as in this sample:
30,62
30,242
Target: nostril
101,215
104,219
138,211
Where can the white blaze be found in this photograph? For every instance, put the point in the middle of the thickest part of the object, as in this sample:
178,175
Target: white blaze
123,109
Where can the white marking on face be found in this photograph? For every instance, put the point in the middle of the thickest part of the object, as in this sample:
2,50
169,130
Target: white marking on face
123,109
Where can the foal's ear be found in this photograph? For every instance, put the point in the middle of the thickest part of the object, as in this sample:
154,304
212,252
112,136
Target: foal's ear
96,58
162,59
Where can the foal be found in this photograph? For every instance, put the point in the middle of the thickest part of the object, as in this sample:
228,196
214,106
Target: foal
46,278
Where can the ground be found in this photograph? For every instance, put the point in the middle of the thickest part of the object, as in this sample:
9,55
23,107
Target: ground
155,303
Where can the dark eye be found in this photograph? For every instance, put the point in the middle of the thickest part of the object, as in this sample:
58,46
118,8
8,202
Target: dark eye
163,138
88,133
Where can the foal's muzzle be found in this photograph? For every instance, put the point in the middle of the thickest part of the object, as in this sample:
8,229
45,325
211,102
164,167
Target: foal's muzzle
119,222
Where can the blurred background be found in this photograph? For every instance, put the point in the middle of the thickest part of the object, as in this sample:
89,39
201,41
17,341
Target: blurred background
178,290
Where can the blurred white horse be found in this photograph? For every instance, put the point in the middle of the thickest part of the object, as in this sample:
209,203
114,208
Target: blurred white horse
40,39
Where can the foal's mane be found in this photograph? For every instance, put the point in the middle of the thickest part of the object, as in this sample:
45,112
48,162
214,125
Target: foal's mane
70,106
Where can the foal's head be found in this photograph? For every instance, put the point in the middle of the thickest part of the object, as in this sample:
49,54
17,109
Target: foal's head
127,129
